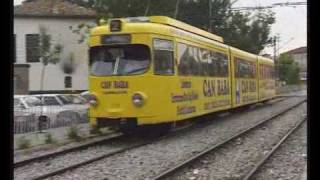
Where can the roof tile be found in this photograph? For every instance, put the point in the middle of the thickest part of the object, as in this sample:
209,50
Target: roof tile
52,8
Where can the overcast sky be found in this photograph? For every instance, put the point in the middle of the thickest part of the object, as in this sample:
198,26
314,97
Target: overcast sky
291,23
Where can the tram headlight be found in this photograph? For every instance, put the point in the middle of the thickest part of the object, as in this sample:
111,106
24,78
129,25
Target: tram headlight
138,99
93,101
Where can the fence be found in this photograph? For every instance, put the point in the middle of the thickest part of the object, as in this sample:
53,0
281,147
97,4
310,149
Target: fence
27,120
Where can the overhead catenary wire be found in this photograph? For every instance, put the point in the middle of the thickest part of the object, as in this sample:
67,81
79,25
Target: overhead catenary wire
286,4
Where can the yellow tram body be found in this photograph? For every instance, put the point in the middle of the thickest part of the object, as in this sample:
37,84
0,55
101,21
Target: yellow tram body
183,72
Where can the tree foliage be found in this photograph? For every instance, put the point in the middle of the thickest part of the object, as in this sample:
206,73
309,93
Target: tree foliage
247,31
288,69
47,53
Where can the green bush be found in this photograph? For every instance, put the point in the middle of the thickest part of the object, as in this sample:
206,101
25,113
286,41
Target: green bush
49,139
95,130
288,69
74,134
23,143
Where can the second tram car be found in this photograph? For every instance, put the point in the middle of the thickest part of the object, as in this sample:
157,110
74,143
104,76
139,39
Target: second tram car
156,70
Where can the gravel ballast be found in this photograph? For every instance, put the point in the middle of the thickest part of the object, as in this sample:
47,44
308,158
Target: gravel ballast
289,161
152,159
235,159
44,166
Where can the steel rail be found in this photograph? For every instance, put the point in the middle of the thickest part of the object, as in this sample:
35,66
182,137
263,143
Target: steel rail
65,169
262,161
62,170
174,169
68,150
80,147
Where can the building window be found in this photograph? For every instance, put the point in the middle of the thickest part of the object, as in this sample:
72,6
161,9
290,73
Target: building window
32,47
14,48
68,82
15,84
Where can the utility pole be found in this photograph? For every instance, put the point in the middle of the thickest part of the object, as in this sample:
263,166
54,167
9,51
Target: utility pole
274,48
210,15
177,9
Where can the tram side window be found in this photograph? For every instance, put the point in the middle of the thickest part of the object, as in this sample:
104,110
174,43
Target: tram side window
163,57
245,69
261,72
184,60
204,59
223,64
218,64
195,64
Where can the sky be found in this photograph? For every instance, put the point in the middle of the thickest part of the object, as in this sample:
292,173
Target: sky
290,25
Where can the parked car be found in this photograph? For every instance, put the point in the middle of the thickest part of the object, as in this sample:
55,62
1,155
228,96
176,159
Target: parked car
76,107
85,95
28,104
59,108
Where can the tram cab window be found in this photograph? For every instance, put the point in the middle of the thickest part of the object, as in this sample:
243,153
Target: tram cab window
163,57
119,60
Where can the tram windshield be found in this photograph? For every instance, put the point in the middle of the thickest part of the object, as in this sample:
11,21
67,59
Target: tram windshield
119,60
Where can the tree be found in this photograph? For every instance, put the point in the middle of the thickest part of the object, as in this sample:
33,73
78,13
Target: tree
48,55
246,31
288,69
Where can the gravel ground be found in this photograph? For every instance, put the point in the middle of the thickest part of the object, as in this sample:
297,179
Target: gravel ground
32,153
238,157
289,161
149,160
42,167
61,138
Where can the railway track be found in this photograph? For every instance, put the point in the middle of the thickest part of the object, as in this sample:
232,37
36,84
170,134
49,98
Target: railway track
267,156
20,163
115,139
166,174
128,144
114,136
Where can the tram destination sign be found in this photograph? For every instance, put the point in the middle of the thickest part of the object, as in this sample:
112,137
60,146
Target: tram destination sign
116,39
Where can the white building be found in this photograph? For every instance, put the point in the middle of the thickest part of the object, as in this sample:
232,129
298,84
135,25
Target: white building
57,16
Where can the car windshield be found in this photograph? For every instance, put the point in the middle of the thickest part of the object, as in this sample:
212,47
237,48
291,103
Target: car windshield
119,60
32,101
71,99
49,101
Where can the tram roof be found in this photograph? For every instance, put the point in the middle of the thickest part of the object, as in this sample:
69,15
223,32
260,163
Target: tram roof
181,25
163,20
265,60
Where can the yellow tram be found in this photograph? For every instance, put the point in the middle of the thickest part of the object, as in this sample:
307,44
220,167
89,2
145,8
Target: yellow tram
156,70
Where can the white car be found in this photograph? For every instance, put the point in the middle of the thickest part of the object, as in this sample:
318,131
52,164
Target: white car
59,108
85,95
76,107
32,105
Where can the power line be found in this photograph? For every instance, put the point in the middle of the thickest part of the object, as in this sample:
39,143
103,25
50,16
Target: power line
284,44
286,4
